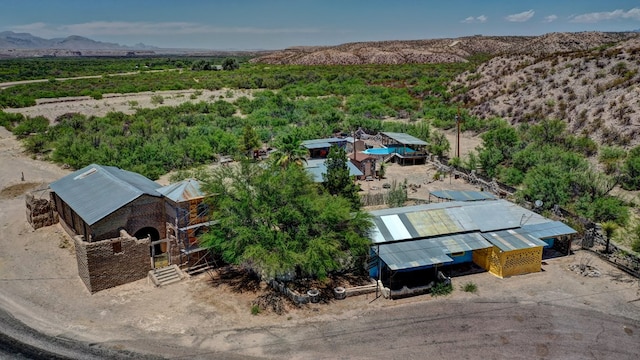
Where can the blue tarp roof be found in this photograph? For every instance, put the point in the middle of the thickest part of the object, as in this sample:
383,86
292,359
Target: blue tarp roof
96,191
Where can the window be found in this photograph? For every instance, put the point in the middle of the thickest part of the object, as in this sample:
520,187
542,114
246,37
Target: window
456,254
203,210
117,247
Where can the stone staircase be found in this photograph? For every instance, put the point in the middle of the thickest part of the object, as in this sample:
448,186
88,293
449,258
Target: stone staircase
166,275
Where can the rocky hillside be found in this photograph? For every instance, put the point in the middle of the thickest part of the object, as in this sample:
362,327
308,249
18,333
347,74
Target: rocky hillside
440,50
595,91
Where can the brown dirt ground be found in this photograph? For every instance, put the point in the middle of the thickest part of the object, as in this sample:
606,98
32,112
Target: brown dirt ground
40,286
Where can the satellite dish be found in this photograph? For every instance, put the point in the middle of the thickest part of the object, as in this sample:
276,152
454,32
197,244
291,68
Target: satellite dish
538,203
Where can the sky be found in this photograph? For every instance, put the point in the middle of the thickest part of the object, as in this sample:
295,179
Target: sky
278,24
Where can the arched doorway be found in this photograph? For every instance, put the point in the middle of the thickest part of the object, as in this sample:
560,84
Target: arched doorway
157,248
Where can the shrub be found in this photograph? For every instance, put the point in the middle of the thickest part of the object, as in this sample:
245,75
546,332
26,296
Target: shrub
441,289
255,309
470,287
157,99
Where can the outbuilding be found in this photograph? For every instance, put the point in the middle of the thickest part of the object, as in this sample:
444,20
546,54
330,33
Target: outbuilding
409,244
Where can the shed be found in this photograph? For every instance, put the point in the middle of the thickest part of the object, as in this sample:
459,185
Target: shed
499,236
319,148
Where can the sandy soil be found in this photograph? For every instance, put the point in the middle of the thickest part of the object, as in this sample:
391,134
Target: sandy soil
40,286
126,103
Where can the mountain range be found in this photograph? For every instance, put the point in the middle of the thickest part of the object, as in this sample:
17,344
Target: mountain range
13,40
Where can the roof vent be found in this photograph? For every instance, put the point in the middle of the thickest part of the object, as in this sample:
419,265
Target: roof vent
86,173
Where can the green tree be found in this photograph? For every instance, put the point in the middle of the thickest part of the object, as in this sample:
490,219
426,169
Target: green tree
631,170
230,64
274,221
439,145
397,194
337,180
549,183
249,140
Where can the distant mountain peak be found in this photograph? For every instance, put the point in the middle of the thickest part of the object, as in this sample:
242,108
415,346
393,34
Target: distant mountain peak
13,40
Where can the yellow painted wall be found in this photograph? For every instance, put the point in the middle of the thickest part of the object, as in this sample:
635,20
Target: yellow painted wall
509,263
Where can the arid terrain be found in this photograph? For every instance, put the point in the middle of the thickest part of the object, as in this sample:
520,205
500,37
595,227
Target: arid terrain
556,313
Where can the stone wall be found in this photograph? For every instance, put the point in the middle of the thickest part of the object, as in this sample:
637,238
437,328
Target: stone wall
40,211
112,262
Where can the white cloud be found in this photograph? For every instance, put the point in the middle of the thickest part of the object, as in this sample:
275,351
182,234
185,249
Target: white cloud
633,14
520,17
550,18
110,28
478,19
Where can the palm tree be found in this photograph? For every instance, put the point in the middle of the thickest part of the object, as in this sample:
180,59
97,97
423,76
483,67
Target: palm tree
289,151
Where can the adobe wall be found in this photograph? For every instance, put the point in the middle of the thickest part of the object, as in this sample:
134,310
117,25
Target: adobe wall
145,211
105,264
40,211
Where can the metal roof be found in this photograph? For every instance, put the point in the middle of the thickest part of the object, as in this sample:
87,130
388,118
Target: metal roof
96,191
405,139
456,195
513,239
421,235
321,143
424,252
184,190
548,230
318,167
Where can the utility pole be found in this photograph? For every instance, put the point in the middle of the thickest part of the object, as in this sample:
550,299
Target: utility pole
458,134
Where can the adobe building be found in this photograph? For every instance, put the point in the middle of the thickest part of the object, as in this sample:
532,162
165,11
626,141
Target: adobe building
113,215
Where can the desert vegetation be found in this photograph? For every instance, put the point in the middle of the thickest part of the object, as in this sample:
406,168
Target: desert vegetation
558,126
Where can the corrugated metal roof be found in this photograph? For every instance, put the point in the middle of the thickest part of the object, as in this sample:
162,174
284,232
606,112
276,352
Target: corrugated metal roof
424,252
184,190
318,167
405,139
321,143
548,230
96,191
421,223
456,195
513,239
412,235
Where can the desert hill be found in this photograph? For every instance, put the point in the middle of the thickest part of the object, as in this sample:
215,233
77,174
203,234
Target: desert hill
595,91
441,50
